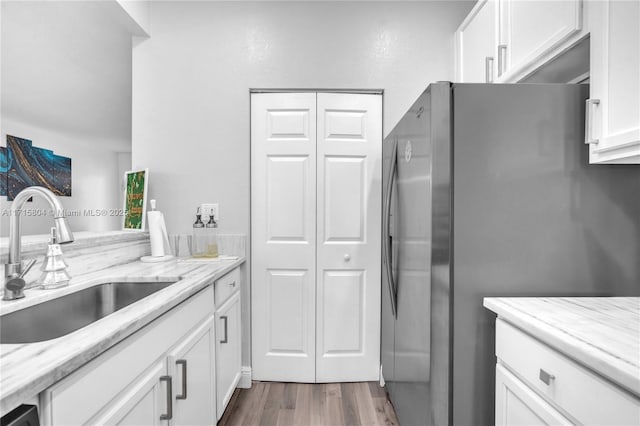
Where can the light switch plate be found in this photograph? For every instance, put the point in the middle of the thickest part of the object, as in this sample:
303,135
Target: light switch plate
206,208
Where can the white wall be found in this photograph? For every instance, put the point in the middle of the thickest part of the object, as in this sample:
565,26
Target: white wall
94,180
191,83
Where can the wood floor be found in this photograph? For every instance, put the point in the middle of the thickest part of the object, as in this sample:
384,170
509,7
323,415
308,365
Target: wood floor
299,404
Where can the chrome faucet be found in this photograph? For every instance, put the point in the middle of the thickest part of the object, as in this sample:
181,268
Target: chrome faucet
14,271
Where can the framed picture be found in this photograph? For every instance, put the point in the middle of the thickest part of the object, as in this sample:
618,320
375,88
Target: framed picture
135,199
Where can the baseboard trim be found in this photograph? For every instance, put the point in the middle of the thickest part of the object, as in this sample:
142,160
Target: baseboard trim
245,378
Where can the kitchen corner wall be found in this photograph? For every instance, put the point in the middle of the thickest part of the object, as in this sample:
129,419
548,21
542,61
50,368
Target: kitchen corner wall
191,82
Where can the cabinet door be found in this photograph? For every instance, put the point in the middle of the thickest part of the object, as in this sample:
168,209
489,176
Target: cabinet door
476,44
191,365
228,351
613,114
517,404
142,403
531,29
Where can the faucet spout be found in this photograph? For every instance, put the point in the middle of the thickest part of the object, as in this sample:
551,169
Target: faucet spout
13,269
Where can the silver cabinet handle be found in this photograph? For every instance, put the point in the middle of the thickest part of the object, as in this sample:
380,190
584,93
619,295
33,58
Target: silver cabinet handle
169,414
232,284
183,363
224,318
502,58
546,377
488,69
347,257
588,122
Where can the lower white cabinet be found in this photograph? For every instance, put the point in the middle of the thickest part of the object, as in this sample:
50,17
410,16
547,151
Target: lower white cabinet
190,366
141,380
537,385
181,369
228,350
517,404
140,404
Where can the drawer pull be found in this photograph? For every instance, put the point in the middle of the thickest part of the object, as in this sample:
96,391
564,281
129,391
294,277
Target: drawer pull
232,284
546,377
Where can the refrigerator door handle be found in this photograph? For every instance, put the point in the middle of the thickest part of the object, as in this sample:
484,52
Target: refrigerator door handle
387,245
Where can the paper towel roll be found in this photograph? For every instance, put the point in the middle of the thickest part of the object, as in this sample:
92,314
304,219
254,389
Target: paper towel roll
158,234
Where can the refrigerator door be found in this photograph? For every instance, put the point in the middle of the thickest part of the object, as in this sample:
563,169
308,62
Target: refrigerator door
412,370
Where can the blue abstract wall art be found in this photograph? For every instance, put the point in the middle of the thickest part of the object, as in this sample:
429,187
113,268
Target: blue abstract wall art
27,165
4,166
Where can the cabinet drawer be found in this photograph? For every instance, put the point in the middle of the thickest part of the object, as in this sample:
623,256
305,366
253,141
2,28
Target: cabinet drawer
226,286
585,396
517,404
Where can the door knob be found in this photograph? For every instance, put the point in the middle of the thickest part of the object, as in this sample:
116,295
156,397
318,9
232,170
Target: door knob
347,257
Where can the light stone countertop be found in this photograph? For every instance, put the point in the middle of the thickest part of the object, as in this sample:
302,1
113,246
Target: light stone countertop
601,333
28,369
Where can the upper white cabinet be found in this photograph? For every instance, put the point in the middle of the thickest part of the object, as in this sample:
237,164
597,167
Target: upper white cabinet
504,41
476,42
530,30
525,36
613,112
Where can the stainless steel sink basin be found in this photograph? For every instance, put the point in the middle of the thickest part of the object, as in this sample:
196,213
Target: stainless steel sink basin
57,317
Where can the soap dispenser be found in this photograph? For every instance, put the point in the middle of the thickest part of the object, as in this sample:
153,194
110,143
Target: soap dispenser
211,229
54,268
199,236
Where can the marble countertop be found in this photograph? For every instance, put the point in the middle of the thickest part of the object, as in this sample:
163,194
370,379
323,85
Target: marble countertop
602,333
28,369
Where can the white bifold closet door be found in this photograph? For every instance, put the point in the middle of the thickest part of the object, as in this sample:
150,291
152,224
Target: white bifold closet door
315,236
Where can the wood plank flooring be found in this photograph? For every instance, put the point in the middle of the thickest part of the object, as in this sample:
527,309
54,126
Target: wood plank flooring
301,404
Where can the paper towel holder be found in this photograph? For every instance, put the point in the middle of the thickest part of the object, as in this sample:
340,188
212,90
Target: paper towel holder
158,237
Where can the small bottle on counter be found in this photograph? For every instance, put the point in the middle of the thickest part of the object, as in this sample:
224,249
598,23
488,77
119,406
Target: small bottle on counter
211,229
199,248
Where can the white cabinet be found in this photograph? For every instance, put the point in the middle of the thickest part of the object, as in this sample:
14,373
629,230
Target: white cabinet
228,338
536,384
517,404
518,35
138,382
191,367
141,403
530,30
613,112
476,44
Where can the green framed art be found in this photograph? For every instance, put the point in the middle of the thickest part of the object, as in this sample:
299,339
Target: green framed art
135,199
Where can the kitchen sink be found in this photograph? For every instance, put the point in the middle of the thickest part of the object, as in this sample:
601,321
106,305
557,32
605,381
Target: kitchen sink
57,317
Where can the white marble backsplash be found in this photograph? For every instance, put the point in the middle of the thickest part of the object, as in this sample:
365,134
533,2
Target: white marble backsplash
90,252
228,244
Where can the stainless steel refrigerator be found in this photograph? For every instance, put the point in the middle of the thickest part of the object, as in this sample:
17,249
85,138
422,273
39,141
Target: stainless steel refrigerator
488,192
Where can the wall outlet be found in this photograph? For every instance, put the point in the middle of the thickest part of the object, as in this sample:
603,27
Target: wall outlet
206,208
